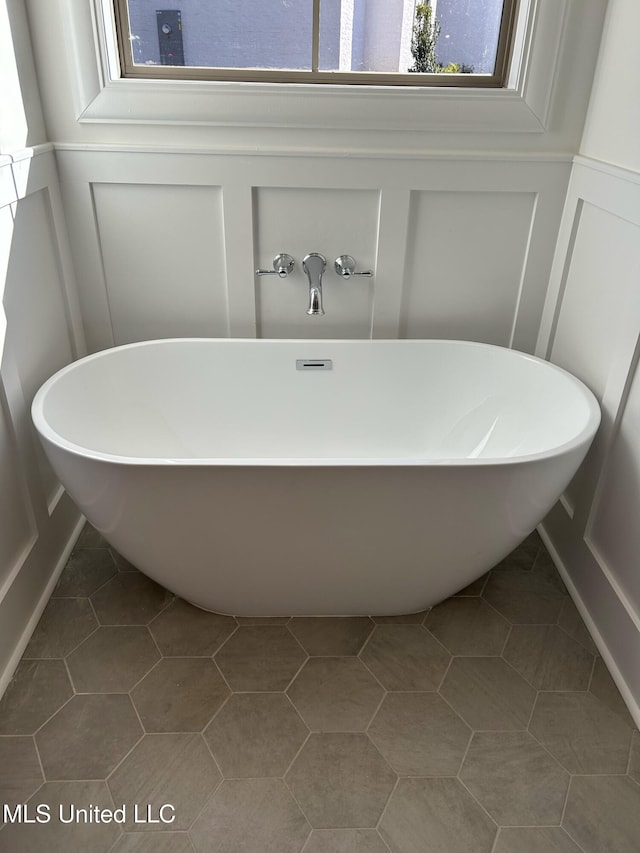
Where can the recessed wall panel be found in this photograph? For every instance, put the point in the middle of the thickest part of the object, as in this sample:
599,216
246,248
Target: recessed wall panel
16,528
34,300
615,530
466,253
597,324
332,222
163,256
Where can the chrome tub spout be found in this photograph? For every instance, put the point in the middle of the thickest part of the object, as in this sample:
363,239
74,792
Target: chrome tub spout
314,265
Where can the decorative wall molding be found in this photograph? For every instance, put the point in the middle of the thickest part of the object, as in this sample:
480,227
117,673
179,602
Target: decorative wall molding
311,208
42,329
591,326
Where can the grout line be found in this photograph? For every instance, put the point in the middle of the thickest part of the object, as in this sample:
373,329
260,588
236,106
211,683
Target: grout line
208,799
472,734
295,757
495,840
491,818
73,695
386,806
593,671
385,693
212,718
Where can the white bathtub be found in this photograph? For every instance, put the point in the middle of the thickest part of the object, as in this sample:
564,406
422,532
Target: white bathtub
250,487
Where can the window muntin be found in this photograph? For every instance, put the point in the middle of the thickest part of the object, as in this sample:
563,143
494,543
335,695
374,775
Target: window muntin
323,41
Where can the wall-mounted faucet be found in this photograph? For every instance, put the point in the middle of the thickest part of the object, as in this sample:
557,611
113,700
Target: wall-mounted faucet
314,265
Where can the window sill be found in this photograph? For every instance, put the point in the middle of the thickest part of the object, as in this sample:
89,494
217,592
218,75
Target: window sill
311,107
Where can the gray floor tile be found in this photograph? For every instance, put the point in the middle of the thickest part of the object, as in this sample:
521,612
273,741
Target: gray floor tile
65,623
335,694
342,776
180,695
419,735
250,816
523,597
544,567
603,814
604,688
182,630
571,622
515,779
57,836
341,781
548,658
169,768
263,620
475,587
37,690
151,842
547,839
90,538
523,557
582,733
435,815
88,737
20,773
488,694
402,619
122,564
405,657
129,599
86,571
260,657
468,626
345,841
256,734
112,660
331,636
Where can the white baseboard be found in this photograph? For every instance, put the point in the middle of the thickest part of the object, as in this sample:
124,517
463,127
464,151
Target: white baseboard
7,674
627,695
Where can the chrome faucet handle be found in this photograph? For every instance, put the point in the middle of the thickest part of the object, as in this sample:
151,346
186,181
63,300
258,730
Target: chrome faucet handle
282,265
345,267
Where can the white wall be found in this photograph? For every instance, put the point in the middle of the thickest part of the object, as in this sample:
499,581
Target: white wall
612,129
40,330
176,194
591,326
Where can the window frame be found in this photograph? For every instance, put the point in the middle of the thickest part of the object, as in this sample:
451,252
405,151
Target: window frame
315,76
90,93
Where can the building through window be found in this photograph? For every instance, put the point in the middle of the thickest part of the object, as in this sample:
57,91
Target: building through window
330,41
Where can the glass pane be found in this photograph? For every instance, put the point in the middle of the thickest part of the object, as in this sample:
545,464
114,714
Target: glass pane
222,33
442,36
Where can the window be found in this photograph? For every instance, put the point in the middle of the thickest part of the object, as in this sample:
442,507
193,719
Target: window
371,42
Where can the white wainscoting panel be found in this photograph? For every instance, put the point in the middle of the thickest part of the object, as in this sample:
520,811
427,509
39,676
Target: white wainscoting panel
163,255
17,530
591,326
40,331
477,232
36,310
332,222
467,253
599,317
614,532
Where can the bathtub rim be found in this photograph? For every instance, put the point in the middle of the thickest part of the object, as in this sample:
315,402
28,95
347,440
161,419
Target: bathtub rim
48,433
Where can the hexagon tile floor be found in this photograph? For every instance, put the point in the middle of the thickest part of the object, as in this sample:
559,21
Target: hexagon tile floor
486,725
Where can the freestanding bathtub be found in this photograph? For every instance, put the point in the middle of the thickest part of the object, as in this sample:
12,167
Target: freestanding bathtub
258,477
